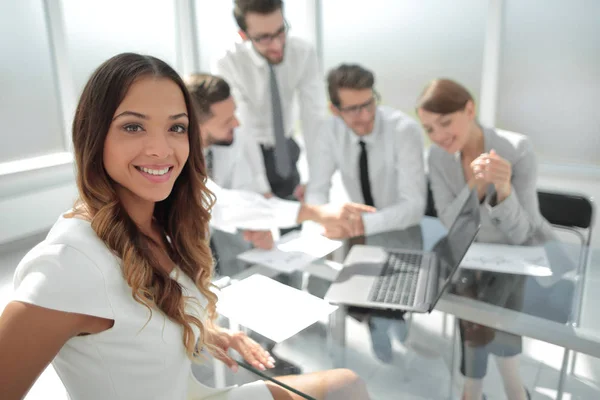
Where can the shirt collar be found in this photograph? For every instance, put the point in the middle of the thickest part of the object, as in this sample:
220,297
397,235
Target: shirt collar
258,59
372,137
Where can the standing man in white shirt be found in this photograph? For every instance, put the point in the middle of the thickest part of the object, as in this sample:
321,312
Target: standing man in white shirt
266,71
379,153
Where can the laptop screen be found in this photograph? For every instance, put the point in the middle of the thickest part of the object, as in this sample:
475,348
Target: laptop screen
452,248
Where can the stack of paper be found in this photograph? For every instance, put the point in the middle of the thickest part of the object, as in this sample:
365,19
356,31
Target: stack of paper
292,252
522,260
270,308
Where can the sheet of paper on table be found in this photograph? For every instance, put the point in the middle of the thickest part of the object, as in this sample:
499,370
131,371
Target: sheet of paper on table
292,251
270,308
522,260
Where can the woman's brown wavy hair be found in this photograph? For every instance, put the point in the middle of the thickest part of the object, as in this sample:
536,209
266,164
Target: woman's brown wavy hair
183,215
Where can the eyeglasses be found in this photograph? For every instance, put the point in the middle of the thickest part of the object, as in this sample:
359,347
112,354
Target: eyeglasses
267,38
354,111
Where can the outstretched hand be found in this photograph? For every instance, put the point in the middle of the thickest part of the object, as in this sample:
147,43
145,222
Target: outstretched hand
251,351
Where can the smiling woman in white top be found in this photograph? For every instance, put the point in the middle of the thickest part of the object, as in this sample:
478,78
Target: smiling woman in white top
117,296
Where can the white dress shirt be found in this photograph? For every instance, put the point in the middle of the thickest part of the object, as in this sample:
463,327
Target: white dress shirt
239,202
238,166
247,72
396,169
238,209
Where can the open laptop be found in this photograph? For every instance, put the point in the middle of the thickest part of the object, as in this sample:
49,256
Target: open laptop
376,277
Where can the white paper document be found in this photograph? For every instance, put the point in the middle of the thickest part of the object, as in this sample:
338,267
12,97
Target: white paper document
522,260
270,308
292,252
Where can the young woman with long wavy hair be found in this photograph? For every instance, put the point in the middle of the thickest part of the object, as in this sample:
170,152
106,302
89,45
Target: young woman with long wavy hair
118,295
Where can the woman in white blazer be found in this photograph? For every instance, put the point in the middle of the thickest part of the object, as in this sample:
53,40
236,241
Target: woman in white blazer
118,295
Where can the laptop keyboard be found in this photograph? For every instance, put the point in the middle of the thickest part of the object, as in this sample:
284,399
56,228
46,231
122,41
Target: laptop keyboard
397,283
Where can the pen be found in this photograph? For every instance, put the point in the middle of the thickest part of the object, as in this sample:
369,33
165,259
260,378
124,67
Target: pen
267,377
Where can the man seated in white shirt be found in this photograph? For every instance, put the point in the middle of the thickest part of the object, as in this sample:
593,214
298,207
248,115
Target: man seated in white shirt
266,71
379,153
216,114
227,165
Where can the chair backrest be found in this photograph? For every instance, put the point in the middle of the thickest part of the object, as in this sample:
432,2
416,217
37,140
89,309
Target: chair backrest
560,209
566,210
575,213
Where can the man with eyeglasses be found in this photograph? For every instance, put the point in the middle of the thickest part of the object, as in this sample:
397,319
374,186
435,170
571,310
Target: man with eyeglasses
265,72
379,153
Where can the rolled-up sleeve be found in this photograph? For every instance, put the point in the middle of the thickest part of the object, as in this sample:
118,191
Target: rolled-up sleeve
324,166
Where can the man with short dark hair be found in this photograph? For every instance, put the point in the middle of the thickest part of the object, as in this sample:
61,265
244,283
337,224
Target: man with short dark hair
215,109
266,72
378,151
229,166
209,91
229,161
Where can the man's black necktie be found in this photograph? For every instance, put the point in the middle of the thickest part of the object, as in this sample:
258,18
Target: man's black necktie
363,168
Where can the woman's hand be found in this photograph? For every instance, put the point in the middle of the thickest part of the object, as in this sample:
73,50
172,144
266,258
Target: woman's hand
493,169
251,351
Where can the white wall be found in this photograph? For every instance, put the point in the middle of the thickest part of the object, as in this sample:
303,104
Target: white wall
549,86
64,41
98,30
30,114
407,43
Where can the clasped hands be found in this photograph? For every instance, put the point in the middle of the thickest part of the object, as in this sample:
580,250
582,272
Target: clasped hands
341,222
491,169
